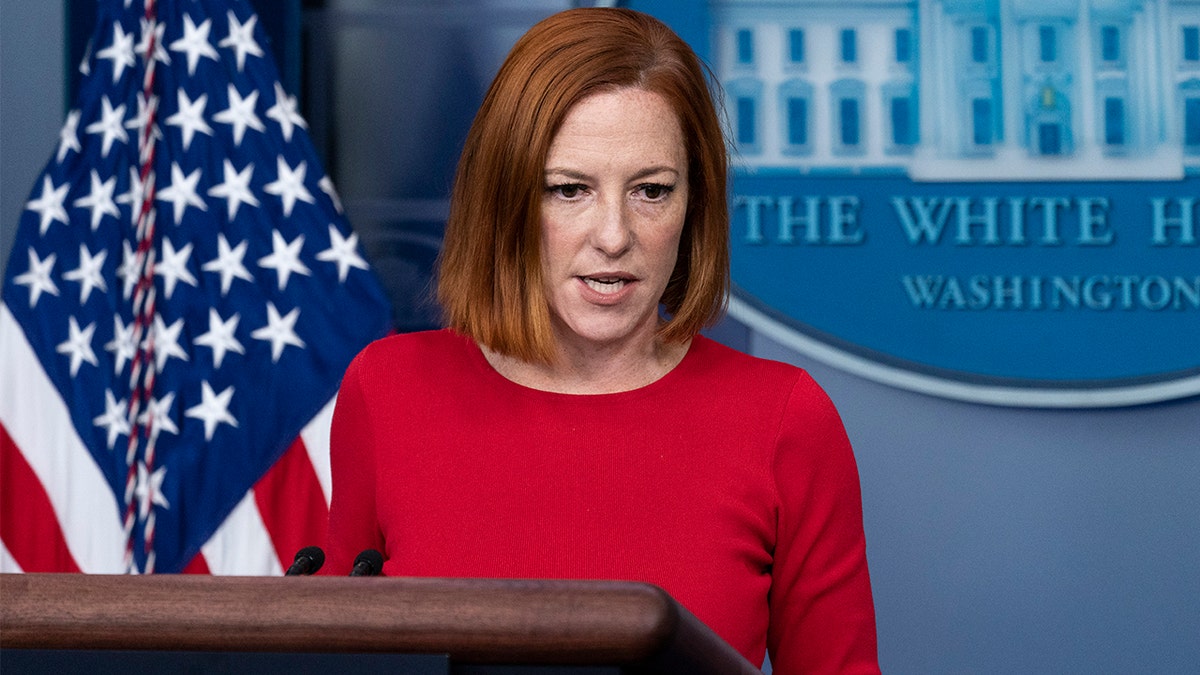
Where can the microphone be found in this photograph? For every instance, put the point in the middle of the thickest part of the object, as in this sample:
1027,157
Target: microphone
368,564
308,560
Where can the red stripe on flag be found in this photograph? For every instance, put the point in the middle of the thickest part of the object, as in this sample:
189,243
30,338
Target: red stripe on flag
291,504
198,566
28,524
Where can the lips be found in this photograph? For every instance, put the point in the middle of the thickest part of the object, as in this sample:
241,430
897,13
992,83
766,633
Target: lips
608,284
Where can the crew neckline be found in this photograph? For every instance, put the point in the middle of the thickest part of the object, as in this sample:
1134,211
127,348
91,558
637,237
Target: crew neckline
479,360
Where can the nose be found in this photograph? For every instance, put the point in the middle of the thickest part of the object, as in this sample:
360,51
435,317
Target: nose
612,232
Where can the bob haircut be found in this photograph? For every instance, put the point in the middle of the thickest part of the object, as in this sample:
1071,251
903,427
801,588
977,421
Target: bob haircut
490,274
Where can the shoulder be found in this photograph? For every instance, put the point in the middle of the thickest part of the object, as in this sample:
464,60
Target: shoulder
732,368
411,347
785,392
415,355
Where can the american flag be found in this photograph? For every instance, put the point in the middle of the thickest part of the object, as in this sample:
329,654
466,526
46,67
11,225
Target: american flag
182,299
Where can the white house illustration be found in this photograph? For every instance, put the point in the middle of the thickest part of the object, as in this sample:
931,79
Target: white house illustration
963,89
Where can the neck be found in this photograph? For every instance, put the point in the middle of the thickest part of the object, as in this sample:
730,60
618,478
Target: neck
596,369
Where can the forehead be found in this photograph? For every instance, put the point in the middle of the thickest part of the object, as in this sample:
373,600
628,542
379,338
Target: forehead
630,122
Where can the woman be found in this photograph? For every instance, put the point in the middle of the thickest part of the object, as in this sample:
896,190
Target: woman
571,422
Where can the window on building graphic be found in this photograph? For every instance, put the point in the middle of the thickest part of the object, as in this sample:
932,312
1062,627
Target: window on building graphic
849,45
745,46
979,44
1191,122
1191,44
1049,139
746,122
795,104
745,105
1047,44
981,121
1114,120
796,45
848,122
903,45
1110,43
797,121
903,129
848,116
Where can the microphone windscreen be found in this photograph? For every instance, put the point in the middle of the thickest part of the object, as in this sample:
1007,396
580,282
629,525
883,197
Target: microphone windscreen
308,560
367,564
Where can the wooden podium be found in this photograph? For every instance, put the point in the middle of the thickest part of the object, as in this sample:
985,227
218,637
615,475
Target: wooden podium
332,624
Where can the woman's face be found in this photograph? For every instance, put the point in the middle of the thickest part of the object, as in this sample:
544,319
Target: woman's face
616,193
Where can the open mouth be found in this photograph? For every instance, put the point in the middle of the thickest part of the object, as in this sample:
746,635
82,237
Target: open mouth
606,285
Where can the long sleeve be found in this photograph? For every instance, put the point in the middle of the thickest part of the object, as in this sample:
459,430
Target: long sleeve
822,614
353,522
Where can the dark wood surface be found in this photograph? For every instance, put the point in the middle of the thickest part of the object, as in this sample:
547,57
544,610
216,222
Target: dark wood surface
472,620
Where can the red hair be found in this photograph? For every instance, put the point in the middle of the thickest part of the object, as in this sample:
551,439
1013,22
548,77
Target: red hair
489,277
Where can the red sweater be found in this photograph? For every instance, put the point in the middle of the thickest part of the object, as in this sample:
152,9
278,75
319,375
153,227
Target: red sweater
729,482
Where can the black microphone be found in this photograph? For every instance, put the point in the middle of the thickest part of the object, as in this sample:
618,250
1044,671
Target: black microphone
367,564
308,560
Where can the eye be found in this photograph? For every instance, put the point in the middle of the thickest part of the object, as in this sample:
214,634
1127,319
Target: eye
655,191
567,190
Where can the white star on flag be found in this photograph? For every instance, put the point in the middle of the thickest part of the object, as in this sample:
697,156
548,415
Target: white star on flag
88,274
68,136
38,277
113,419
120,52
149,488
158,30
122,346
213,409
173,267
290,185
240,114
128,271
285,258
50,204
279,331
241,39
228,263
284,112
135,194
190,118
111,125
182,192
344,252
220,336
166,342
100,199
236,188
145,108
158,414
326,185
78,345
195,43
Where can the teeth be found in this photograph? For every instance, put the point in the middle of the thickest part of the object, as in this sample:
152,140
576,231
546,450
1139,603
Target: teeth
604,285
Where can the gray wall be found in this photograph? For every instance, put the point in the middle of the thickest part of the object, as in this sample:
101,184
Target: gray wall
31,102
1000,540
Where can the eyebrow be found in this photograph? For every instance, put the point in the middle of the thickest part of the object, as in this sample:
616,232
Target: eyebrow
579,175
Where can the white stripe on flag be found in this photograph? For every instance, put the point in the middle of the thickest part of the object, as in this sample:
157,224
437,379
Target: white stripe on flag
315,435
40,425
7,563
242,545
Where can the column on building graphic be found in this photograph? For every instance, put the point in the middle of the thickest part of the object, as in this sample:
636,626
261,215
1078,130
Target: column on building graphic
819,84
